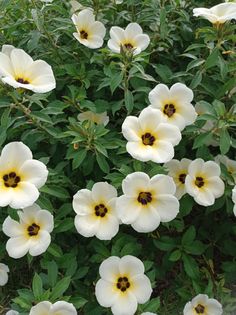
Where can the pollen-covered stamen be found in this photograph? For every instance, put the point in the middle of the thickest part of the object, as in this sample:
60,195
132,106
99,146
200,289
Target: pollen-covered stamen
83,34
199,182
22,81
11,180
123,284
148,139
128,46
100,210
33,229
200,309
144,197
169,110
182,178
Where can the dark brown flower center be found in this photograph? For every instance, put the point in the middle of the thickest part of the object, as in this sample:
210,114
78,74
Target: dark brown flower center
148,139
23,81
199,182
100,210
200,309
83,34
182,178
169,110
144,197
123,284
33,229
11,180
128,46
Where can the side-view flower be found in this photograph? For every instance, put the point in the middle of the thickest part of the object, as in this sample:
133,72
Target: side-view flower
203,182
131,38
3,274
147,202
96,211
58,308
174,104
31,234
201,304
97,118
218,14
122,285
89,33
149,137
20,176
19,70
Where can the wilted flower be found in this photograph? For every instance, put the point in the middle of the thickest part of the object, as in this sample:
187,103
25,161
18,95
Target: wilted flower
96,211
58,308
3,274
147,202
174,104
99,119
230,166
178,170
122,285
203,182
218,14
20,176
149,137
131,39
90,33
31,234
234,199
202,305
19,70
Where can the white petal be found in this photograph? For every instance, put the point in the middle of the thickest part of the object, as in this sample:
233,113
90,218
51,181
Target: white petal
17,247
12,228
214,307
45,220
103,191
21,61
211,169
216,186
63,308
82,202
132,30
141,288
168,207
134,183
188,309
5,195
131,128
163,184
109,269
87,225
200,299
205,198
147,221
5,66
169,133
7,49
11,312
188,112
24,195
149,119
125,304
141,152
3,277
113,46
159,95
41,308
131,266
117,34
28,214
206,13
162,152
106,293
35,172
195,167
39,244
179,92
108,228
42,84
175,120
38,69
128,209
142,41
98,29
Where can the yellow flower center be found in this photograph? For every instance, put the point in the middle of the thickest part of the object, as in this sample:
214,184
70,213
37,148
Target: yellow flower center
22,81
11,180
148,139
182,178
33,229
169,110
199,182
123,284
83,34
100,210
200,309
144,198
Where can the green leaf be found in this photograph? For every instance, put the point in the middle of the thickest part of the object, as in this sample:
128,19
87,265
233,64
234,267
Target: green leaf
37,286
52,272
129,101
190,267
212,59
60,288
225,141
189,236
195,248
104,166
202,139
165,243
115,81
79,158
175,255
78,302
55,191
197,79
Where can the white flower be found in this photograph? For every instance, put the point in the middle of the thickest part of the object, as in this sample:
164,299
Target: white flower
218,14
90,33
3,274
31,234
20,176
147,202
118,1
19,70
234,199
96,211
122,285
230,166
149,138
202,305
11,312
75,6
178,170
100,119
148,313
58,308
174,104
203,182
132,39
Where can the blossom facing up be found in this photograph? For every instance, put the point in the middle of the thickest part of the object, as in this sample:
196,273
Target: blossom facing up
230,166
218,14
20,176
201,304
149,137
3,274
31,234
178,170
147,201
123,285
131,39
11,312
234,199
203,182
96,211
89,33
19,70
58,308
99,119
174,104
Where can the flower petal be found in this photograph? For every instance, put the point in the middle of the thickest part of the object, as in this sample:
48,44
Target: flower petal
163,184
17,247
45,220
82,202
24,195
108,227
169,133
128,209
39,244
179,92
134,183
142,41
103,191
34,172
87,225
211,169
21,61
131,266
168,207
63,308
109,269
131,129
147,221
12,228
149,119
141,288
5,66
106,293
159,95
41,308
125,304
